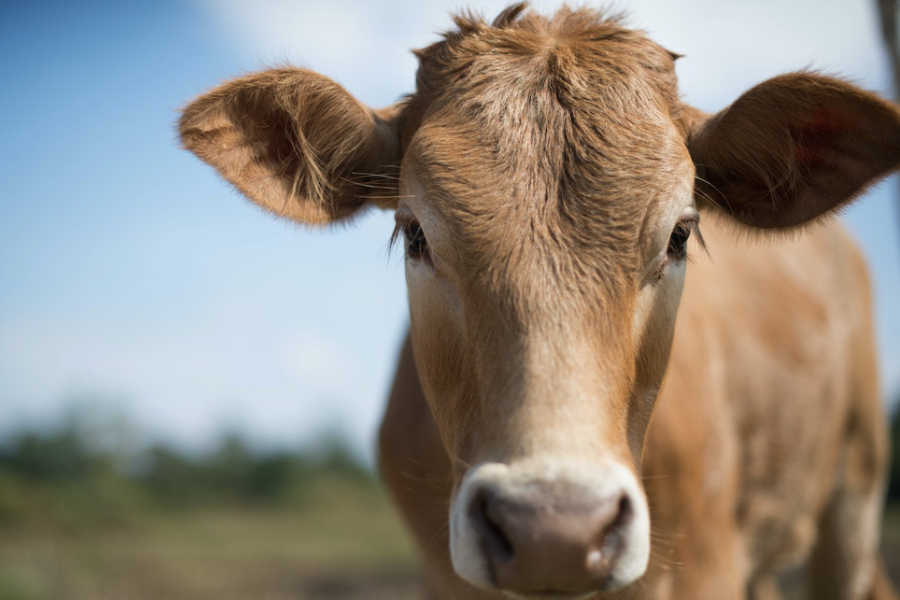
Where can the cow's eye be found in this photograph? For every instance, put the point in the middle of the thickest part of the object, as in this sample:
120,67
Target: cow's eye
416,244
677,249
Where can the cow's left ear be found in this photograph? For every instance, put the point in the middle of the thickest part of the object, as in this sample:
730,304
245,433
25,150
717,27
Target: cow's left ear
792,149
297,144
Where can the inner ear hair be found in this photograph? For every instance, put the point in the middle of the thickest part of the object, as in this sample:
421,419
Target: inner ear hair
296,143
793,149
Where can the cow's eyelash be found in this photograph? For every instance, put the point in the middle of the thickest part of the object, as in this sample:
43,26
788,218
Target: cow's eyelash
401,223
416,246
697,235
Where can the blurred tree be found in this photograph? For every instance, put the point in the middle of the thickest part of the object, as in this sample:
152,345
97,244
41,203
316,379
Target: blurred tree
56,455
894,485
272,476
170,477
88,469
333,454
887,15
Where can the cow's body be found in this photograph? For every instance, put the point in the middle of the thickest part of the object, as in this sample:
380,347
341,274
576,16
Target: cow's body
769,424
546,179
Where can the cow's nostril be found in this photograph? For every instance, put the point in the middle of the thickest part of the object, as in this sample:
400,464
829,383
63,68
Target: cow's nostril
494,541
610,540
626,513
566,539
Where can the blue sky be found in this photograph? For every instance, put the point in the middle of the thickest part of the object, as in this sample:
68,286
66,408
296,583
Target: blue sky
129,272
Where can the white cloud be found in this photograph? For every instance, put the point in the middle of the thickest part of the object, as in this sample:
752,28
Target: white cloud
280,369
366,46
730,44
279,332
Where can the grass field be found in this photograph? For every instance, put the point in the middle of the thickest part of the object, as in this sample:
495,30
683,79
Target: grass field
344,544
76,523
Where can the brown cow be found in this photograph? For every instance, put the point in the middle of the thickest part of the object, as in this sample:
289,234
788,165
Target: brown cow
546,178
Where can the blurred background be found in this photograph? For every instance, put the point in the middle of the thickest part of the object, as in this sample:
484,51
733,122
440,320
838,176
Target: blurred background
186,383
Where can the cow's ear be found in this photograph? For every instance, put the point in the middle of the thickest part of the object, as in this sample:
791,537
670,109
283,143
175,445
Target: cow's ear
792,149
296,143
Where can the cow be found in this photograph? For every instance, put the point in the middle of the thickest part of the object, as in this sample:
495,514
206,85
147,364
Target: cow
578,411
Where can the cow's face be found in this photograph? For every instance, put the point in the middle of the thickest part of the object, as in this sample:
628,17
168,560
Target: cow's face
545,239
545,197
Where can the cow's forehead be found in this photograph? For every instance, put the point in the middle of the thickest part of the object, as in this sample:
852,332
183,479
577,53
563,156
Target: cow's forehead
583,59
559,133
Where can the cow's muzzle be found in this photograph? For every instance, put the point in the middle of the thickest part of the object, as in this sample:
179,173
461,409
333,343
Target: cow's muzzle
537,530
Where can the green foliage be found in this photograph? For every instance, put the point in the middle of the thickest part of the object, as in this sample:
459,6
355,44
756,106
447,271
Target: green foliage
12,590
88,511
69,476
894,484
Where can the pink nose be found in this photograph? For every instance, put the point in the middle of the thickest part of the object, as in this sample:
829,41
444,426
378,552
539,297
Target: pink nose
556,544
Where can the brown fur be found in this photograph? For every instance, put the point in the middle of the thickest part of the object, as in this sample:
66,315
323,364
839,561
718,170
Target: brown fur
319,153
548,161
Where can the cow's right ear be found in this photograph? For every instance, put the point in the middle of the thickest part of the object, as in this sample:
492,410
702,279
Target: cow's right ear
792,149
296,143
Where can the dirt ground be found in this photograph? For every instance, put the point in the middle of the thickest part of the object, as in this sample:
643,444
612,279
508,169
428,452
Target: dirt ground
340,552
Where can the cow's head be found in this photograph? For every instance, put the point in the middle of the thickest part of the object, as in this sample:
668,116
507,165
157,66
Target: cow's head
546,179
